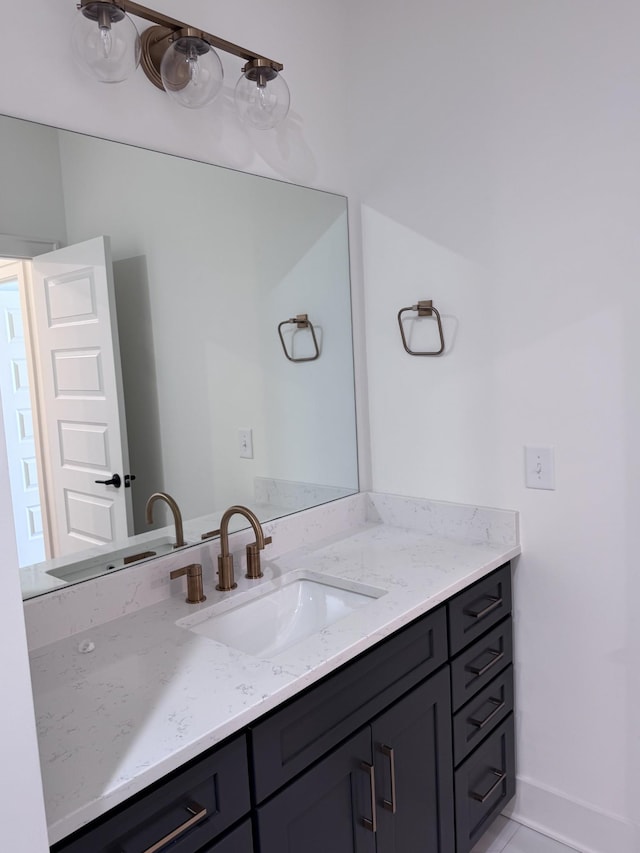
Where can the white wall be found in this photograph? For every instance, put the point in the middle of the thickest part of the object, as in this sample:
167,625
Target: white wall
310,150
21,804
30,154
497,162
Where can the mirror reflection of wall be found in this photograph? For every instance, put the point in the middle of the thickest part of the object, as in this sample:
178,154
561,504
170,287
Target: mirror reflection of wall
206,263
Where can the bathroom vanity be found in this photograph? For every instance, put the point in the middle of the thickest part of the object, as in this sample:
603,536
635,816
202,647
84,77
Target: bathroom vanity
390,729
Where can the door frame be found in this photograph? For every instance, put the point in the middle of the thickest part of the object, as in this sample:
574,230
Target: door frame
23,270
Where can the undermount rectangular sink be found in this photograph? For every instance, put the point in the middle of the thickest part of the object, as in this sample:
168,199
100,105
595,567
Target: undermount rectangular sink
268,620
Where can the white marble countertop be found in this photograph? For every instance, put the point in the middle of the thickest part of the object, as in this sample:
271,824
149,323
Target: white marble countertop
152,695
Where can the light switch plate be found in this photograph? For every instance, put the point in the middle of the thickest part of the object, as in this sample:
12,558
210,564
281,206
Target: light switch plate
245,442
539,468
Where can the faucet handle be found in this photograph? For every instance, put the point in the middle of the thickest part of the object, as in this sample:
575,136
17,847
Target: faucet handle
195,592
254,570
210,534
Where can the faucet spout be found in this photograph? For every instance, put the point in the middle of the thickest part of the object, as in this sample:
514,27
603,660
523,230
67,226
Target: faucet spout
177,515
226,579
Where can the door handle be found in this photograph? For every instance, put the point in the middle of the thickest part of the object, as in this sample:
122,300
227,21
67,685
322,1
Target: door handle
371,824
390,805
115,481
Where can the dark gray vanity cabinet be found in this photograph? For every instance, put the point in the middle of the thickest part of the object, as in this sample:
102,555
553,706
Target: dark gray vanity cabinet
480,640
379,792
183,812
405,749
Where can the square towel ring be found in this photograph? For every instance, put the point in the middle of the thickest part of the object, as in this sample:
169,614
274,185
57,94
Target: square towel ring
425,308
302,322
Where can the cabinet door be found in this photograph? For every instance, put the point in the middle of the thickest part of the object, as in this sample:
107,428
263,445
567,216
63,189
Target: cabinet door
328,808
238,841
414,778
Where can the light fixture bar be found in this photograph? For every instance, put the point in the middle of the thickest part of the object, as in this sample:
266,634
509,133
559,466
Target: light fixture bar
173,24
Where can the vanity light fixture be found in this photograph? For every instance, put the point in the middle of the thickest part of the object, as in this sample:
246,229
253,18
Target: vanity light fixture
176,57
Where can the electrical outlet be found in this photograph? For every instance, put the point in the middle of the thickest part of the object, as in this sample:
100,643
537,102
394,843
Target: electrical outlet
245,442
539,468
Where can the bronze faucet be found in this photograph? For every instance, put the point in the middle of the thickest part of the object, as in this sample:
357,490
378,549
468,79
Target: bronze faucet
173,506
195,593
225,560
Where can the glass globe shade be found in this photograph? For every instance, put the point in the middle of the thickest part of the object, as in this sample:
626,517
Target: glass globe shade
106,42
191,72
263,102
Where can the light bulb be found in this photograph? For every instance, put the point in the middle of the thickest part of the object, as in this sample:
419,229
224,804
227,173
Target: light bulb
106,42
191,72
262,96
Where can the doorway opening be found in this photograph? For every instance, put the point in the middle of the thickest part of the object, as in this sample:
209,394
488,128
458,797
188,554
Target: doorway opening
19,414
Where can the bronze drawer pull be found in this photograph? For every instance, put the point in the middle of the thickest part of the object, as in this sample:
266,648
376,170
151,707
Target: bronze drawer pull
482,798
390,805
496,601
480,724
478,671
371,824
197,813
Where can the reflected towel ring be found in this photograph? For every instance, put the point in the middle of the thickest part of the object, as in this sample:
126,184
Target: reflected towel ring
425,308
301,321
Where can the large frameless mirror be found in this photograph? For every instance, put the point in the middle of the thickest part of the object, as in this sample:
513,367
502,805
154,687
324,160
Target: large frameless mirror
147,306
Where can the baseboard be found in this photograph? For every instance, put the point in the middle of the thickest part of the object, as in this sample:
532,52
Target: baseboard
574,823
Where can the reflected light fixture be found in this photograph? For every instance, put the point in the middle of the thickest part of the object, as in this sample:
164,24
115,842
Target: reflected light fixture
176,57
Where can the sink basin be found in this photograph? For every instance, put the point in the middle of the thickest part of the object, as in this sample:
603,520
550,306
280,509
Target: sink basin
94,566
268,620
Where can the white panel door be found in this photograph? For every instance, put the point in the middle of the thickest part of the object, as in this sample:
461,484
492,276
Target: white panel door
80,381
18,421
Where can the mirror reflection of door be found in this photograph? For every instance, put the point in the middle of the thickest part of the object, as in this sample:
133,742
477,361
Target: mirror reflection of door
79,397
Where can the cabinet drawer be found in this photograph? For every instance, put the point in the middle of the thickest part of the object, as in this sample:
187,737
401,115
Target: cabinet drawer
484,784
480,663
215,787
475,610
482,714
293,737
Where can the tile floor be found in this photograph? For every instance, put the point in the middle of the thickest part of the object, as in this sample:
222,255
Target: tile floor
506,836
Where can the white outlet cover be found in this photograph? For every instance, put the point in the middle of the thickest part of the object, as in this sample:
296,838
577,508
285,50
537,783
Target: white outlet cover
539,466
